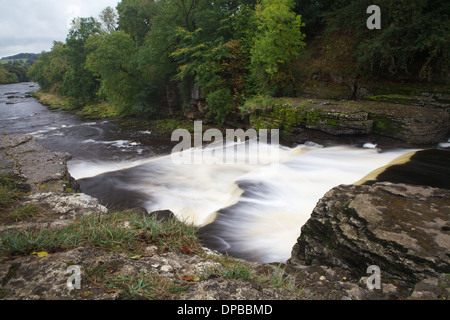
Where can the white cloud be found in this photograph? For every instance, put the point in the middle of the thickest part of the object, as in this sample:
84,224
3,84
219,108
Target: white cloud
32,25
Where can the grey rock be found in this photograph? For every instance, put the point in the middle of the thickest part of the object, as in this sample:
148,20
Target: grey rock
59,210
225,289
409,123
38,169
400,228
427,289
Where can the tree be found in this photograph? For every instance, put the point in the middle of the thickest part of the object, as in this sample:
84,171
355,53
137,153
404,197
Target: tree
277,43
109,19
413,42
186,11
155,56
113,58
135,17
7,77
80,83
210,57
19,71
50,68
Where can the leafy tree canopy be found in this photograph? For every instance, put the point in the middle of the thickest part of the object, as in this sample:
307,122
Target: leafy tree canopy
144,53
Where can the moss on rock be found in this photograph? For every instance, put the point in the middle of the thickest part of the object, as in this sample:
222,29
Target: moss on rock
409,123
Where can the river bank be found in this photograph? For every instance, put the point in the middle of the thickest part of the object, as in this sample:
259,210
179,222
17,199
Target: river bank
412,116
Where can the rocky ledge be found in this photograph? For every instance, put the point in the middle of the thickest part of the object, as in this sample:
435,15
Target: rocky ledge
32,167
401,228
421,125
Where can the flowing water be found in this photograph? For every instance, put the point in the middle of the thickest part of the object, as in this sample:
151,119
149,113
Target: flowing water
253,210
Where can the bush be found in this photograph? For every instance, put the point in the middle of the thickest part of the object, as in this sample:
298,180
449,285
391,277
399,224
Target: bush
220,104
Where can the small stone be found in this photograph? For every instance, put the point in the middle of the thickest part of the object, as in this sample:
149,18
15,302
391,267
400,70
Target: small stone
166,268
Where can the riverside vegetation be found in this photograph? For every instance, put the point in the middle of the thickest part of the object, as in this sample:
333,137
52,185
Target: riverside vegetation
157,58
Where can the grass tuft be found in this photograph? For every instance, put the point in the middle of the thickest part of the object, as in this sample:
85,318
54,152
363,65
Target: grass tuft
114,232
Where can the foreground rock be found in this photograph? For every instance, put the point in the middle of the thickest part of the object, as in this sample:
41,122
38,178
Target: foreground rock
59,210
34,278
403,229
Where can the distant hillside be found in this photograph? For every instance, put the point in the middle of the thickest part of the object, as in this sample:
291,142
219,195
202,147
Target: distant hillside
24,59
30,56
14,69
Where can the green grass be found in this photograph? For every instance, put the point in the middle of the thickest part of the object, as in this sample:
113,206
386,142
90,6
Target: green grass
11,210
100,110
113,232
229,268
22,213
9,194
257,103
22,62
172,233
149,287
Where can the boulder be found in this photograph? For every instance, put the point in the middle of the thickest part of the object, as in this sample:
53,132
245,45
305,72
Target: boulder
404,229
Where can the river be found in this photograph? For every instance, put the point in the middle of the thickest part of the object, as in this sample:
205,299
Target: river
250,210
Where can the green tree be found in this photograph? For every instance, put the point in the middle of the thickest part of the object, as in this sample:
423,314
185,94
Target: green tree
80,83
113,58
213,56
50,68
202,62
135,17
7,77
109,19
277,43
413,42
19,71
155,56
37,71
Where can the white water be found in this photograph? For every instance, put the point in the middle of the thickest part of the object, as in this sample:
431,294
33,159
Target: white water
265,221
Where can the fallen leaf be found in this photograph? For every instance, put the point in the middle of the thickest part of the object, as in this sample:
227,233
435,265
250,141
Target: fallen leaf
137,257
193,279
187,250
111,291
40,254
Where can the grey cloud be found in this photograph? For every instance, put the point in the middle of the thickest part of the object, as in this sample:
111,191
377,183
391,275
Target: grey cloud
33,25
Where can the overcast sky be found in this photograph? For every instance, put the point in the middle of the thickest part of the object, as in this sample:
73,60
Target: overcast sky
31,26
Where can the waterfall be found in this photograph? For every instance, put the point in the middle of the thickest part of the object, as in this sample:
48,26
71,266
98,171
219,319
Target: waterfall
251,209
